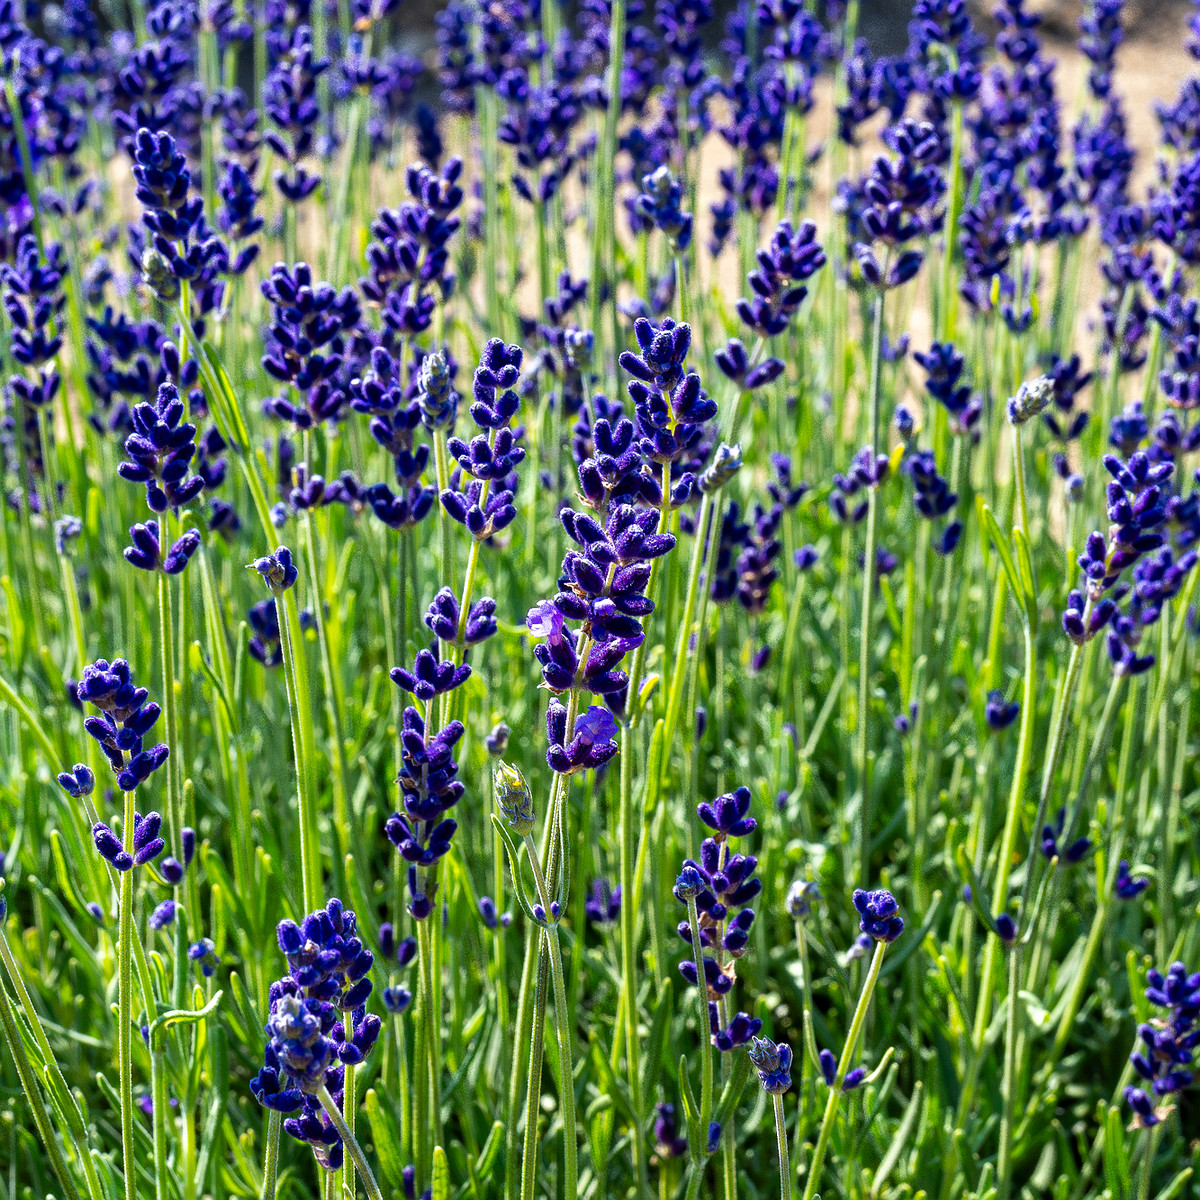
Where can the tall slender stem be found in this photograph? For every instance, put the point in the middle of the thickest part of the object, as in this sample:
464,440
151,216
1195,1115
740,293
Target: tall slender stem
351,1142
125,1007
533,1094
868,597
706,1063
166,647
41,1118
310,867
835,1090
629,914
1004,1158
785,1169
271,1157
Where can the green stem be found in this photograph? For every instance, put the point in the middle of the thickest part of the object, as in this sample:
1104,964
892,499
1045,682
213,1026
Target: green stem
785,1170
309,850
64,1100
1004,1158
161,1105
702,1032
333,712
835,1090
629,914
524,1024
704,523
868,598
562,1024
533,1094
41,1118
351,1142
125,1007
166,638
271,1157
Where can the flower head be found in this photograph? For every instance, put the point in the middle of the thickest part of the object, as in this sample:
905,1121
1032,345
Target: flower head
277,569
513,797
878,913
773,1061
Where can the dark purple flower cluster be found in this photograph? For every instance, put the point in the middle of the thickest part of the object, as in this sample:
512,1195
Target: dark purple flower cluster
291,104
1179,379
430,676
932,497
309,1046
1126,886
828,1065
237,219
278,570
147,554
867,470
33,300
307,318
182,246
146,845
1136,510
788,260
394,418
429,788
774,1065
1175,211
1052,835
602,586
671,411
1063,421
945,49
203,954
878,914
408,262
396,998
872,85
668,1142
755,567
899,202
444,617
490,460
943,366
660,204
537,123
1100,35
720,882
161,448
777,284
1169,1042
587,746
998,713
126,716
603,904
264,645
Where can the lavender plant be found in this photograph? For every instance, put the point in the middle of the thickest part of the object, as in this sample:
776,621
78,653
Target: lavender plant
729,464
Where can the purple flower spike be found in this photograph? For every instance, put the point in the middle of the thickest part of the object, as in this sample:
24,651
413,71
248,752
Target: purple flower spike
997,713
727,815
1126,886
773,1063
878,914
278,570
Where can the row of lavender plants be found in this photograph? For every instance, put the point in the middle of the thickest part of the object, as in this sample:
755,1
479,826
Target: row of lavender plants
606,611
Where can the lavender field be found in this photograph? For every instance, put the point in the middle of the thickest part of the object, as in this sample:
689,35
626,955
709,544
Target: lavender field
606,610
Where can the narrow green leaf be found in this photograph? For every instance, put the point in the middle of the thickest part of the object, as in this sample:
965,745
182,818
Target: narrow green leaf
1116,1161
386,1139
988,526
441,1174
